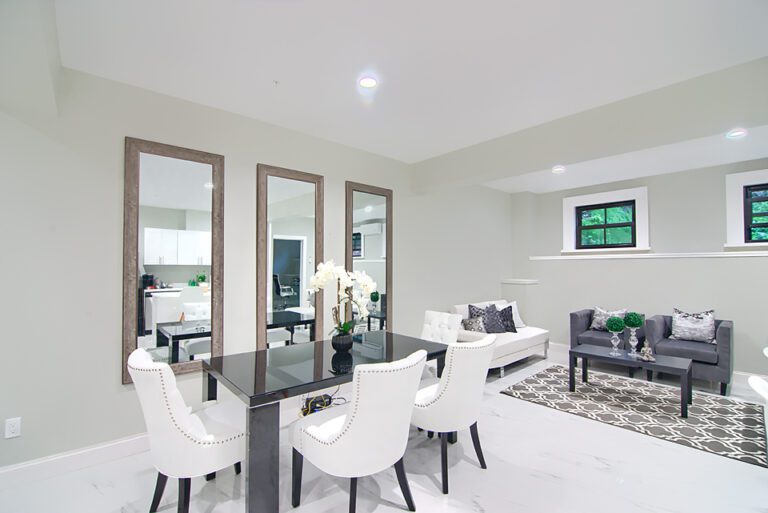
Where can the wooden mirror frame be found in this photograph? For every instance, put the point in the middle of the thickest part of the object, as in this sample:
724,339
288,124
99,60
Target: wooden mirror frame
133,149
263,172
351,188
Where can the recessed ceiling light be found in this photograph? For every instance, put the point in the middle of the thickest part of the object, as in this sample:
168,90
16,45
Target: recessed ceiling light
368,208
368,82
558,169
208,185
736,133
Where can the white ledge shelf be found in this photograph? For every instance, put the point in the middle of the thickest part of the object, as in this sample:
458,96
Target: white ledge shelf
519,281
642,256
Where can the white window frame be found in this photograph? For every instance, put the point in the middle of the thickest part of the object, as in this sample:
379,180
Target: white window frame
638,194
734,207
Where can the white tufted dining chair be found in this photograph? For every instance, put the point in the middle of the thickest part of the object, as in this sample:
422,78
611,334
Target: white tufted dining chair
184,444
452,403
366,436
439,327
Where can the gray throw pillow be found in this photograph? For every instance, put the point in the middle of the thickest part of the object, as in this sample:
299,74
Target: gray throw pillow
474,324
508,319
491,318
699,327
601,316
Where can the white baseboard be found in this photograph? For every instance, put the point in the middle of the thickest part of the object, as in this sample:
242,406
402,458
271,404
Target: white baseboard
57,464
739,388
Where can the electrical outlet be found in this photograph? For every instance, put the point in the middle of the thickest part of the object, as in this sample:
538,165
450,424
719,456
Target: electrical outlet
13,427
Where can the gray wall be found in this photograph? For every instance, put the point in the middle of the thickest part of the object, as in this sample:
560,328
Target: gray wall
687,214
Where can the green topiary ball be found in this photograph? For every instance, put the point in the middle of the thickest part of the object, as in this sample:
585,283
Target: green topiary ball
615,324
633,320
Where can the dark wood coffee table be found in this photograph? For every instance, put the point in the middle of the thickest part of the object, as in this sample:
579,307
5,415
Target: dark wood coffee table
667,364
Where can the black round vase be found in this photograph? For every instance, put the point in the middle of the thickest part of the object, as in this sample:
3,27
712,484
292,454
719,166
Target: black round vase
341,362
341,342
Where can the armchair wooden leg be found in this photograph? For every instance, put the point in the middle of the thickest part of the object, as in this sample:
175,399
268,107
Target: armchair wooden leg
352,494
430,434
184,489
476,443
159,489
723,388
210,477
298,465
444,459
403,481
238,468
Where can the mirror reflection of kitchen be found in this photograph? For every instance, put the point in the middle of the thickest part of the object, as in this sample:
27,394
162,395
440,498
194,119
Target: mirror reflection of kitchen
369,250
175,251
290,260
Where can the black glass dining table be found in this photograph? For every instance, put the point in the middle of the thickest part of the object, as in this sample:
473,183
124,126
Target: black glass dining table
262,378
289,320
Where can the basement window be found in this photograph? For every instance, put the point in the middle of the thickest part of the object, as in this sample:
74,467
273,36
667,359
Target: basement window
756,213
607,225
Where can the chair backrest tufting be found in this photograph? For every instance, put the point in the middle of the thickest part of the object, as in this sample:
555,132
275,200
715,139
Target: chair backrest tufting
456,405
441,327
170,425
379,416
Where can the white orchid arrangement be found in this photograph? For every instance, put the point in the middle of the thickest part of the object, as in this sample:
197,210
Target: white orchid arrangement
354,288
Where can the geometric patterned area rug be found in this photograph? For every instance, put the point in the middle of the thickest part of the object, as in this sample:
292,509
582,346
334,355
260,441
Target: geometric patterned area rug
716,424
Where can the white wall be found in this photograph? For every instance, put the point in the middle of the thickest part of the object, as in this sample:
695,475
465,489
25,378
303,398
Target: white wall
62,201
687,215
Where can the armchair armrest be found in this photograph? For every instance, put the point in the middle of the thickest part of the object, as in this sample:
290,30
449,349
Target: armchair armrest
580,322
655,328
724,339
470,336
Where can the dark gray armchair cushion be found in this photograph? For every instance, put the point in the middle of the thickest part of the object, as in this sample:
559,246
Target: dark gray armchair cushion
696,351
597,338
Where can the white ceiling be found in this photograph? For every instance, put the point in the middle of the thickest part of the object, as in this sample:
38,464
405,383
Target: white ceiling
452,74
671,158
174,183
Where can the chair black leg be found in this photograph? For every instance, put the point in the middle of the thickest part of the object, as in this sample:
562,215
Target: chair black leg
159,489
184,488
723,388
352,494
298,465
430,434
444,460
631,372
403,481
476,443
238,468
210,477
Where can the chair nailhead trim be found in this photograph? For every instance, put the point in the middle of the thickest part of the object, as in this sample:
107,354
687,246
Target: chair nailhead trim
448,373
189,436
354,411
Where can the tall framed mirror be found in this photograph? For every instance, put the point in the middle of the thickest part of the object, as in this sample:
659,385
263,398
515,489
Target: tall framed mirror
173,254
369,246
289,245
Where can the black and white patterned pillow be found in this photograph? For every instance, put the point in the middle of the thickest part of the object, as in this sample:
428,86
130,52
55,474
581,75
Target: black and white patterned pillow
474,324
601,316
699,327
508,319
491,318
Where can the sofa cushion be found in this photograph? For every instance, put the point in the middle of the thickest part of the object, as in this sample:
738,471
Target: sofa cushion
696,351
491,318
693,326
508,318
600,316
474,324
508,343
463,310
597,338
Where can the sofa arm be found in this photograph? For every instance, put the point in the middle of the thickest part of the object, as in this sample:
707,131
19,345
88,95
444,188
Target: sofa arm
470,336
724,339
655,328
580,322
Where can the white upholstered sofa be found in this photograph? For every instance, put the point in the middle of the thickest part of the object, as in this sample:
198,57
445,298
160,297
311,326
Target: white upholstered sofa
510,347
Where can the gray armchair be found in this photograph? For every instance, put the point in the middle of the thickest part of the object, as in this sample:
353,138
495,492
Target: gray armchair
711,362
581,334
